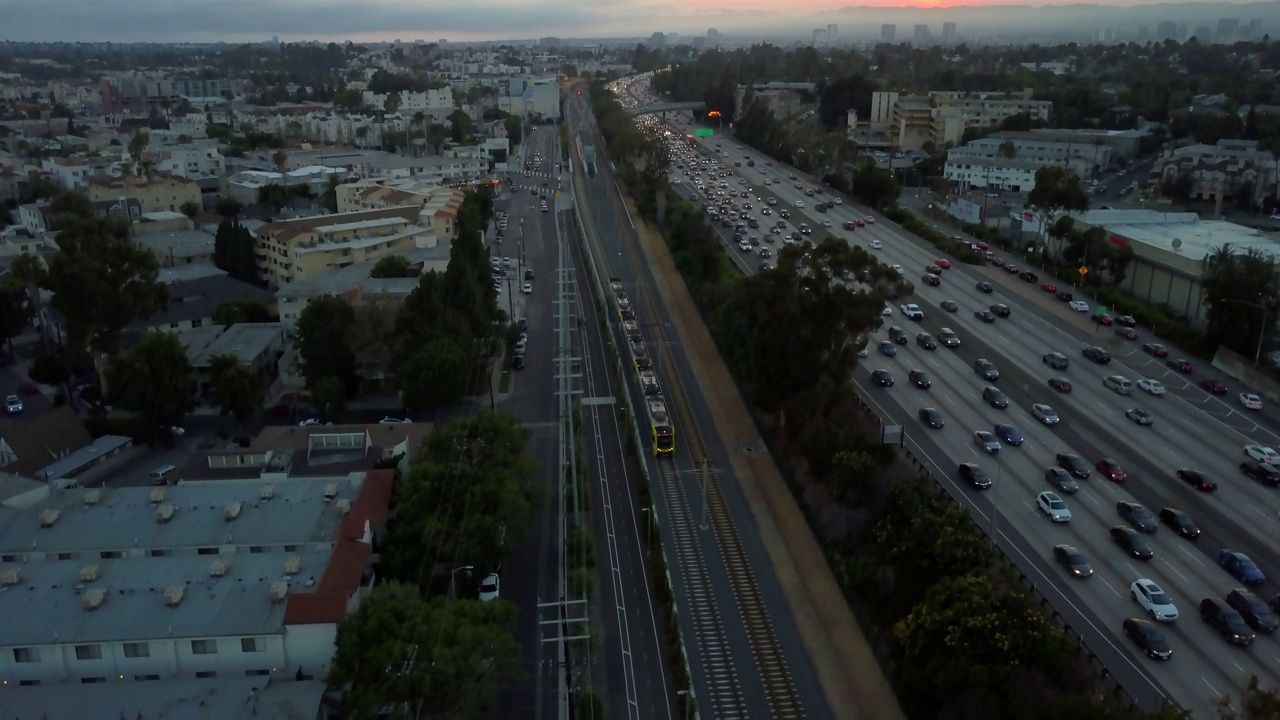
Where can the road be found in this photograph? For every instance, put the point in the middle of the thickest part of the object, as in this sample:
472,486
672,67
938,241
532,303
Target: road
728,673
1191,429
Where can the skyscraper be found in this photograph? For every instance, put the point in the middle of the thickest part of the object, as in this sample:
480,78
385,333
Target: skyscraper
818,35
833,31
1167,30
1228,28
921,35
948,33
888,32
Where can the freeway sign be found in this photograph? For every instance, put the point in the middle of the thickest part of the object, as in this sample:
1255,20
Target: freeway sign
703,132
1084,270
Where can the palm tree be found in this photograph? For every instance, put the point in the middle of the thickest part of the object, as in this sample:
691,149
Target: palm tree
361,133
419,119
281,161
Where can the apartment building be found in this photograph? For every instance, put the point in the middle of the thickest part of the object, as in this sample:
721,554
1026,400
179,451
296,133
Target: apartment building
941,118
242,570
453,166
35,216
532,97
1123,144
1220,170
363,131
437,206
355,284
245,185
992,173
154,194
1078,158
304,248
192,162
75,171
435,99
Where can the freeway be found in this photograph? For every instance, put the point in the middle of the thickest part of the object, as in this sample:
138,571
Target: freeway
1191,430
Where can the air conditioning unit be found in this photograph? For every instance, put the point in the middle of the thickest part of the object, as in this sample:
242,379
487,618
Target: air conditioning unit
158,495
343,506
330,491
49,517
293,565
218,568
173,595
165,512
89,573
279,591
12,576
266,492
231,511
93,598
93,497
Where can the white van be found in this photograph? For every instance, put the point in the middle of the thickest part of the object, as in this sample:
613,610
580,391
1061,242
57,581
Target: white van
1119,384
163,475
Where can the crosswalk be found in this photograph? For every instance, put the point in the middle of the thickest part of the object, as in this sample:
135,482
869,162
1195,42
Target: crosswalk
538,174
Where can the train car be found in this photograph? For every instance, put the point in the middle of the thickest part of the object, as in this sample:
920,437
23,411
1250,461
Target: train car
664,433
624,309
616,287
632,329
640,355
649,382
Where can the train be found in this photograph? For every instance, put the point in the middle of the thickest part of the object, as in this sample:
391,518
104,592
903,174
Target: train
658,416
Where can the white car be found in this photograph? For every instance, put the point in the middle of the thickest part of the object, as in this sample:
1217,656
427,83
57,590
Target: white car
1045,414
13,404
1053,506
1262,454
1251,401
744,246
871,220
1155,601
899,269
913,311
1152,386
773,201
888,310
1079,306
838,201
489,587
875,245
527,289
826,223
388,420
800,203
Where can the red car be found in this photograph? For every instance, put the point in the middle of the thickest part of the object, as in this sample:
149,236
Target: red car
1049,287
861,224
944,264
1213,387
1155,349
1111,470
984,246
1127,333
997,262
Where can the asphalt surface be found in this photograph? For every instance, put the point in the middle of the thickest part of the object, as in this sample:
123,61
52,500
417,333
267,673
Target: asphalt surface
605,214
1192,429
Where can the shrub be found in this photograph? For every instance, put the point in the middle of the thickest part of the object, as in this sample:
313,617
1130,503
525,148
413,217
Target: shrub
133,427
49,369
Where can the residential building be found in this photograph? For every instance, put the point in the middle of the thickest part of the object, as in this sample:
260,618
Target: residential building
1123,144
992,173
161,192
246,184
75,171
245,568
948,33
359,164
942,117
888,32
202,164
437,206
1077,158
35,216
29,446
258,345
177,247
435,99
290,250
355,284
1055,68
1220,171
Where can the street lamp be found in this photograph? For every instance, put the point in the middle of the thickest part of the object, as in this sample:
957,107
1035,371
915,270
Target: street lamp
1262,332
453,575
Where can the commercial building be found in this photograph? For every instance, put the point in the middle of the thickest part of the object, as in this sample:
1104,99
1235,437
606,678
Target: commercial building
998,173
1220,171
941,118
985,163
454,166
888,32
948,33
1121,144
246,185
161,192
532,98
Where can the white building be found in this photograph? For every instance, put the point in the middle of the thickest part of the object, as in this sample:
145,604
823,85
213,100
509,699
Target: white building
1219,171
436,99
533,97
992,173
191,162
244,185
1078,158
244,568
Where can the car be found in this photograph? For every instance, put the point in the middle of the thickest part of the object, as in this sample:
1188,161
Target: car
1045,414
1261,473
949,337
13,404
1155,350
1213,387
871,220
1227,621
943,263
1153,600
1065,296
1240,567
1132,541
930,280
1262,454
994,397
517,362
489,587
932,269
949,306
1125,333
1147,637
986,370
390,420
1196,479
987,442
975,475
1053,506
1111,470
1030,277
887,311
1101,318
1008,434
931,417
882,377
926,341
1060,384
527,289
1139,416
1250,401
1137,516
1097,355
311,422
887,348
875,244
1049,287
1151,386
1079,306
1255,611
1001,310
1073,560
1118,384
1056,360
1073,464
919,378
1061,479
1127,321
1179,522
897,335
1182,366
985,316
985,287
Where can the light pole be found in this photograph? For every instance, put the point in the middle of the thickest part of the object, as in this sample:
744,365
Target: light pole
453,576
1262,332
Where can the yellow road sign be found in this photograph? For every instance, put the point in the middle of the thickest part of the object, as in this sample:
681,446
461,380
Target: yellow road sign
1084,270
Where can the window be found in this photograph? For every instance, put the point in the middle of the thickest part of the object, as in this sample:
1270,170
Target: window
207,551
255,549
261,671
110,555
29,683
26,655
93,680
160,552
88,652
137,650
143,678
204,647
207,674
252,645
66,556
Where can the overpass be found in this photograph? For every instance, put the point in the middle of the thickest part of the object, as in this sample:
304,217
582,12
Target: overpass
665,107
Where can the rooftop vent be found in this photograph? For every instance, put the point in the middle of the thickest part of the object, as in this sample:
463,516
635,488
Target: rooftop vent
173,595
218,568
49,517
231,511
93,598
279,591
292,565
12,576
93,497
89,573
330,491
266,492
165,512
344,506
158,495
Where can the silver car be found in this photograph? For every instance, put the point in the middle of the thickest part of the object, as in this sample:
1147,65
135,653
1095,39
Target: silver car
1045,414
987,441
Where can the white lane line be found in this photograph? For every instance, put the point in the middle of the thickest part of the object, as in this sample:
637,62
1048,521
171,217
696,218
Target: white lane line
1190,554
1133,570
1101,405
1091,498
1111,490
1173,569
1104,582
1259,511
1242,670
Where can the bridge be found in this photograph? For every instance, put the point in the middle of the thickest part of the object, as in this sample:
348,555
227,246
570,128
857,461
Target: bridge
665,107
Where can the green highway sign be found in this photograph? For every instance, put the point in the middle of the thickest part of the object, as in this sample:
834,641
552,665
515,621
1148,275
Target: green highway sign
704,132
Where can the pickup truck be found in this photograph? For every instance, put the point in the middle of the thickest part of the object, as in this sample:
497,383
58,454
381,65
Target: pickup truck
912,311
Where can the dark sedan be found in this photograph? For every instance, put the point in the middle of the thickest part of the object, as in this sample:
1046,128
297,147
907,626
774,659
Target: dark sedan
882,377
1155,350
1001,310
985,316
1073,464
975,475
1213,387
1102,319
1179,522
920,379
1097,355
1132,541
1111,470
1180,365
1008,434
1253,609
985,287
1148,637
949,306
930,280
1062,480
1073,560
1137,516
1263,474
1197,480
1060,384
931,417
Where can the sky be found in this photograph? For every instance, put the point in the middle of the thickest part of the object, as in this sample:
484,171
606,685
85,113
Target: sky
383,20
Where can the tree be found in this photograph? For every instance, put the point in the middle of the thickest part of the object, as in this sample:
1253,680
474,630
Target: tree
392,103
1239,290
437,135
419,120
1255,703
30,271
1055,193
137,144
413,657
440,373
242,310
460,126
191,209
323,335
373,336
101,282
155,380
467,497
392,266
281,161
234,250
228,207
237,387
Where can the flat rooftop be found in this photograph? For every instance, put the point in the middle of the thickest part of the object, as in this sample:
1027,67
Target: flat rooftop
245,341
177,243
213,698
358,276
1195,238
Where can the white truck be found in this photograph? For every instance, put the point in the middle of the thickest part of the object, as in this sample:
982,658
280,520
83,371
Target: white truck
912,311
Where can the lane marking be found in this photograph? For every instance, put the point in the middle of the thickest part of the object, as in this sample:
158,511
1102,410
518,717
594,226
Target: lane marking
1173,569
1191,555
1104,582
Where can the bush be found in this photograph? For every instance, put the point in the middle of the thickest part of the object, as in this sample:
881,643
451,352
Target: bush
133,427
49,369
1167,327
